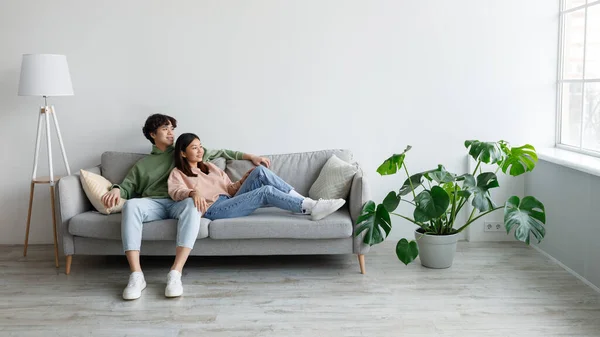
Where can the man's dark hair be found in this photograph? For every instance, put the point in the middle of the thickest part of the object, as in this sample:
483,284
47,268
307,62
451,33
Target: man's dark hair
156,121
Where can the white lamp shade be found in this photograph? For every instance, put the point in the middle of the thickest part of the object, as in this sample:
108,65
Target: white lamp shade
45,75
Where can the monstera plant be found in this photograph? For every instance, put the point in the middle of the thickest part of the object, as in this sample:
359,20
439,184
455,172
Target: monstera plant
437,196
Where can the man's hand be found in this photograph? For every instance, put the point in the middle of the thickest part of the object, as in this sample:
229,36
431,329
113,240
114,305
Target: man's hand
256,160
199,202
111,198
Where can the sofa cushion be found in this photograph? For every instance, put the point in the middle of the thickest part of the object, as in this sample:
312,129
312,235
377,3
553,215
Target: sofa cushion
274,223
297,169
95,225
219,162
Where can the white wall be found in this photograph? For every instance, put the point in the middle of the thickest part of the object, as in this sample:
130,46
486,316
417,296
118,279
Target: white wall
277,77
571,200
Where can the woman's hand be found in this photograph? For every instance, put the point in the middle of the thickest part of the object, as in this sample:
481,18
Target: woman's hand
111,198
256,160
246,176
199,202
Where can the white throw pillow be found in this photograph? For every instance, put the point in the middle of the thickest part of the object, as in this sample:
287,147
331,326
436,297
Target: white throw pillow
95,186
334,181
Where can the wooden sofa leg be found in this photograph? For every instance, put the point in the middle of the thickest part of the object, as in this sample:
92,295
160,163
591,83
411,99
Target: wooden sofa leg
68,266
361,261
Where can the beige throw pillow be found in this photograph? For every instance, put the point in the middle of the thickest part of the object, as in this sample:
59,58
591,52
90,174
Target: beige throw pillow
95,186
334,181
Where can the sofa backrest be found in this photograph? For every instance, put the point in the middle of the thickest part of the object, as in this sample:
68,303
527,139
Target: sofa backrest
298,169
116,165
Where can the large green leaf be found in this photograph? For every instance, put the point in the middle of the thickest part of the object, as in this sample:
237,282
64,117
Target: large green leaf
406,251
449,188
440,175
482,200
468,180
487,152
415,179
391,201
376,221
527,215
393,164
465,176
431,204
454,191
519,159
367,211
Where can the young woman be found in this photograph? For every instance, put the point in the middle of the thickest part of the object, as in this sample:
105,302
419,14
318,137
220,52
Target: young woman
217,197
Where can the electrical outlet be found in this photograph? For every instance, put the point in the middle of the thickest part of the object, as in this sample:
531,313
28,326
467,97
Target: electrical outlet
493,226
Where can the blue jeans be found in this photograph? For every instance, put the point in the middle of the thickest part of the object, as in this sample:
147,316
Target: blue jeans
139,210
262,188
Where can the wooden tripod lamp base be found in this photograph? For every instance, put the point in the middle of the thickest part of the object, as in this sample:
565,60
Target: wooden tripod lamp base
46,112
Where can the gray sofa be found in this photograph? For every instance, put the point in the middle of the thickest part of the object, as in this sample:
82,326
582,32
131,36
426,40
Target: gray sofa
268,231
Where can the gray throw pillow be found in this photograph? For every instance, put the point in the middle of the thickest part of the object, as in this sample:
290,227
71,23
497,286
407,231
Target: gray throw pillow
334,181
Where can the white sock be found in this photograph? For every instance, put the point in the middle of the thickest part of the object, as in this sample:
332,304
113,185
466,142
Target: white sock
307,205
293,193
138,273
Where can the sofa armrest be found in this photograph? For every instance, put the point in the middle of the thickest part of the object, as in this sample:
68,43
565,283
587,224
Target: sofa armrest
70,201
359,195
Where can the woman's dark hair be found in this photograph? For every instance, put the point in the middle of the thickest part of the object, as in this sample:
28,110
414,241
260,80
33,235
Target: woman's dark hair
156,121
180,162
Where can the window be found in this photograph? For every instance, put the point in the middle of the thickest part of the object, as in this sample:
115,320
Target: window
579,76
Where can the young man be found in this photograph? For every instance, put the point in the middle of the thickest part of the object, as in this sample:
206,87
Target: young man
145,187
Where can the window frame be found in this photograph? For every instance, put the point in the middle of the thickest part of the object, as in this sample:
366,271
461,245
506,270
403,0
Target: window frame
560,81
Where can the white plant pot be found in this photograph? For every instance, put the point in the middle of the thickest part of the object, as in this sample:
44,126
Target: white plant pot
436,251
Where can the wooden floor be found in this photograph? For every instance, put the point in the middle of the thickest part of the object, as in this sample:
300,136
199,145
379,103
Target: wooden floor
493,289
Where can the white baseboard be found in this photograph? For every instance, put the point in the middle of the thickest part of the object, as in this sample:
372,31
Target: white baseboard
571,271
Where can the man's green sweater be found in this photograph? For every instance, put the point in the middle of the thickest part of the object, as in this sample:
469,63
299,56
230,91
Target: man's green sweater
148,177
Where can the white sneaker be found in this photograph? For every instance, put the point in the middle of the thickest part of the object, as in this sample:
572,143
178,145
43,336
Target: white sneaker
134,288
324,207
174,287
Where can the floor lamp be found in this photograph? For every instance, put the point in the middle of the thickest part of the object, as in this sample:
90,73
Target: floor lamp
45,75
